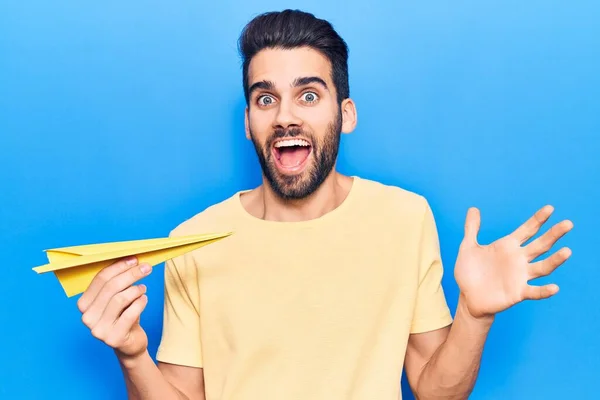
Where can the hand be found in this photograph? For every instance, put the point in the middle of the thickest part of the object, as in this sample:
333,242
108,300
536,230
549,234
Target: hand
111,307
493,278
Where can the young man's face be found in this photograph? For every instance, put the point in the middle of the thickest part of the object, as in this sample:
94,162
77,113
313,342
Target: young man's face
294,120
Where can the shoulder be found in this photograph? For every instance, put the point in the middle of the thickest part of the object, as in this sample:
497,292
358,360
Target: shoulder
216,217
393,200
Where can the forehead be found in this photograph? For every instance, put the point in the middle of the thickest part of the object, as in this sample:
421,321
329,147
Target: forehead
283,66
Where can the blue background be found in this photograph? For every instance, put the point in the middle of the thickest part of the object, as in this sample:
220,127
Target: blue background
118,120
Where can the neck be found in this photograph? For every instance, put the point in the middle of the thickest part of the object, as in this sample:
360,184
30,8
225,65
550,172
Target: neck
263,203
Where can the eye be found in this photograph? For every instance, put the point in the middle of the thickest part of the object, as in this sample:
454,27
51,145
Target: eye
265,100
310,97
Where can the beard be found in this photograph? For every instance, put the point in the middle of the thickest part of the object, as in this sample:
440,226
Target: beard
303,184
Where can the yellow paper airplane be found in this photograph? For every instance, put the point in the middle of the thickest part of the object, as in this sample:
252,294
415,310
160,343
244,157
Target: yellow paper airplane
76,266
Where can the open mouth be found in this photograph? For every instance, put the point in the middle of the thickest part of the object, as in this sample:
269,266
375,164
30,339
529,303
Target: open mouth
291,154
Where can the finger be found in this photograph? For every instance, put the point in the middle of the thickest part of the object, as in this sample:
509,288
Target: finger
118,303
130,316
533,224
472,224
100,280
546,241
111,288
547,266
539,292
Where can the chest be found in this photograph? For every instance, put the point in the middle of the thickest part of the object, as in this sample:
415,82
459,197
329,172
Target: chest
267,285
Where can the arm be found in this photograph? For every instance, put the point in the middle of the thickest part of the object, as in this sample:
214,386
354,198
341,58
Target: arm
145,380
188,380
443,364
111,308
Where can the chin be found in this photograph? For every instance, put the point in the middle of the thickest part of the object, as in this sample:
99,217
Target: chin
293,185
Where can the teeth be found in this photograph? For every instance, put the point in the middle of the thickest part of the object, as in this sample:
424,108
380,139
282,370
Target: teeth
292,142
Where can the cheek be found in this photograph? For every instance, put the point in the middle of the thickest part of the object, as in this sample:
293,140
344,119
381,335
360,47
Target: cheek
260,124
318,121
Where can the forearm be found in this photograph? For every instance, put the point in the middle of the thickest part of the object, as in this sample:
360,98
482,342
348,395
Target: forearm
452,371
144,381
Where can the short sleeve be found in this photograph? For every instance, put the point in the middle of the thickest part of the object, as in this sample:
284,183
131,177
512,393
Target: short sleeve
180,342
431,309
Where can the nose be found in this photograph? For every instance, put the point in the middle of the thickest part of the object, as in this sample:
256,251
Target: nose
286,116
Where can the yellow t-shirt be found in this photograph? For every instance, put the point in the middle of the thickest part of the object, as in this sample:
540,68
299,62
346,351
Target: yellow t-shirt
313,310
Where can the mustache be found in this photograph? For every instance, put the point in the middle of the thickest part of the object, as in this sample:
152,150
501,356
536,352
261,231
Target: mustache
279,133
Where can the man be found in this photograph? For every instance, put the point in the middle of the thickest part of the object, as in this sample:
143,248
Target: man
303,301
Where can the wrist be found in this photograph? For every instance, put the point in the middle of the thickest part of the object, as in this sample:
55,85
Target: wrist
462,310
130,362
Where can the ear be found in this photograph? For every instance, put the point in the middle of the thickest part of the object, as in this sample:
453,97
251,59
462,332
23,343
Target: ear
247,124
349,116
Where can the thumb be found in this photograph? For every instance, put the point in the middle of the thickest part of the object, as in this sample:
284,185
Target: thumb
472,224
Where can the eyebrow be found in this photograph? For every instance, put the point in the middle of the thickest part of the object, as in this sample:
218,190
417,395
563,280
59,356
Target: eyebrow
303,81
308,80
264,85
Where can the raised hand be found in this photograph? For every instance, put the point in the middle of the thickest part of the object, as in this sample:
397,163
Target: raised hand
111,307
494,277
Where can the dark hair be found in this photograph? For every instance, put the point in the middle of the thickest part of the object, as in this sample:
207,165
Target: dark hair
294,28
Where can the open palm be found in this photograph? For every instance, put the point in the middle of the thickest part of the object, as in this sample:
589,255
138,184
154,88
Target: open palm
494,277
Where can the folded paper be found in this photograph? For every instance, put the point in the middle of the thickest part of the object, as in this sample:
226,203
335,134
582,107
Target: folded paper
75,267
